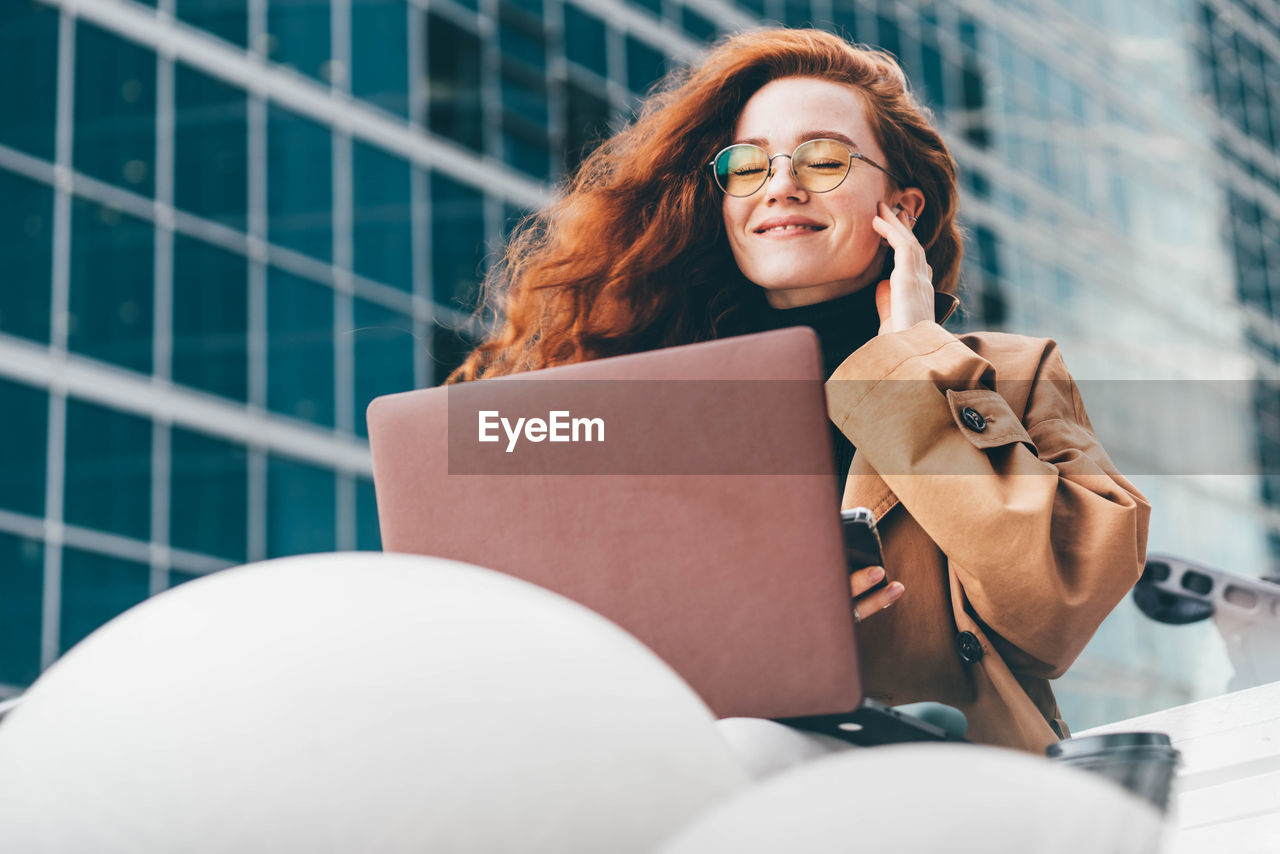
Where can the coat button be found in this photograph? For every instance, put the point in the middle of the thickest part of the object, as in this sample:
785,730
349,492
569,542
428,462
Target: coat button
973,419
969,646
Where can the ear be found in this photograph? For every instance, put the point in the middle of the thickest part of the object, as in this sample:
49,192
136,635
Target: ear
912,201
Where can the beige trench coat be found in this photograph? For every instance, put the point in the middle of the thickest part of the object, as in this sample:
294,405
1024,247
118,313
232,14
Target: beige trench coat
1013,532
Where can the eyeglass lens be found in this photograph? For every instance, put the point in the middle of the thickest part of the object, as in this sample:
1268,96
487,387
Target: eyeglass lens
820,165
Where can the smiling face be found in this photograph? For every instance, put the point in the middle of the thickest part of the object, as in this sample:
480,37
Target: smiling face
804,247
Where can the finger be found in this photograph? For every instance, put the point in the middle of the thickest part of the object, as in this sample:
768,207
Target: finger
893,230
873,603
862,580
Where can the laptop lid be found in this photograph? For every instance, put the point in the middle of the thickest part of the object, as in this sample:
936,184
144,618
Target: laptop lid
686,494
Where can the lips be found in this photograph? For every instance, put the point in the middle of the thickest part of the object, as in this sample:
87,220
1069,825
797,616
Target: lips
789,225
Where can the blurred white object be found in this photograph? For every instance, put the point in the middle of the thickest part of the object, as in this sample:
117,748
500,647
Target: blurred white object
922,799
1245,610
358,702
767,747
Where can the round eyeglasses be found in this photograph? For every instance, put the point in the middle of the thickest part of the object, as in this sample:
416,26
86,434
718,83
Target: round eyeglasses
819,166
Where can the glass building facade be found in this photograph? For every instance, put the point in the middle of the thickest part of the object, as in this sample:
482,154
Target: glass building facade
226,225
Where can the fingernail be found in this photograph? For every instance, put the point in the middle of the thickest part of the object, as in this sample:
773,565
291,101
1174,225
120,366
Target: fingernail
895,590
875,574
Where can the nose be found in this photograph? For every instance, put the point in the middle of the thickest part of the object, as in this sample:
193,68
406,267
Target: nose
781,183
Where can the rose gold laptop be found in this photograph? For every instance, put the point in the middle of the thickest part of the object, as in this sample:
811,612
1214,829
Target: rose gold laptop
687,494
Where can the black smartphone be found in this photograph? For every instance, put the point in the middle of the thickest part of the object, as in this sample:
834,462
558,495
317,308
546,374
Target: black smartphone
862,542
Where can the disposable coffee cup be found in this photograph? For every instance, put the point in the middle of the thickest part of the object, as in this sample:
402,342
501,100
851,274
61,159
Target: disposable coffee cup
1142,762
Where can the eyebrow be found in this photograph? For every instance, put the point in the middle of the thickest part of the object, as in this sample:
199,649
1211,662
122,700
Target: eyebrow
804,137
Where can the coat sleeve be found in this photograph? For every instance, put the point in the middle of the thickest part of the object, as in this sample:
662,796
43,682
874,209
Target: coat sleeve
1042,532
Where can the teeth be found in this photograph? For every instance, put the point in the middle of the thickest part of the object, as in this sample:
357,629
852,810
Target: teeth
791,228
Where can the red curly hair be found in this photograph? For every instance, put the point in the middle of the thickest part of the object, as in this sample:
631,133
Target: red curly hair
633,255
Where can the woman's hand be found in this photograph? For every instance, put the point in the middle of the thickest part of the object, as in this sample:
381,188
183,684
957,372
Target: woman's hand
864,603
906,297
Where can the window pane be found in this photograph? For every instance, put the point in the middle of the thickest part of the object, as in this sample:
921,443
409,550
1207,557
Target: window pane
453,82
209,487
383,221
703,29
301,502
96,588
457,241
384,351
226,19
210,318
380,54
112,268
108,477
586,123
22,458
299,184
26,245
368,536
644,65
298,36
299,348
449,347
28,53
210,148
21,597
584,39
115,110
525,147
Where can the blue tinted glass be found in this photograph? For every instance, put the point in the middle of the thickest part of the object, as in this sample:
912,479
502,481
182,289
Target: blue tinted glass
457,242
26,245
115,110
584,40
108,477
112,269
845,21
226,19
696,25
382,219
301,507
210,147
798,13
298,36
890,36
449,347
384,349
521,36
525,147
21,597
22,453
933,78
380,53
368,537
586,123
96,588
177,576
28,53
524,95
299,348
299,184
209,487
453,82
210,318
644,65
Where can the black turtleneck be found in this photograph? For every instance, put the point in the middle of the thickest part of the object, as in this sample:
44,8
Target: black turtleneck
843,325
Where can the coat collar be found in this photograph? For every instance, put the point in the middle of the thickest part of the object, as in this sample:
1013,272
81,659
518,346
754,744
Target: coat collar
864,487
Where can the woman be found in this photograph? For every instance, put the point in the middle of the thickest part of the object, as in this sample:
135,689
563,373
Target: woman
792,178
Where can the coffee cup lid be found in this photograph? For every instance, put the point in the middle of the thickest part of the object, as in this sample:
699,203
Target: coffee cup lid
1105,743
